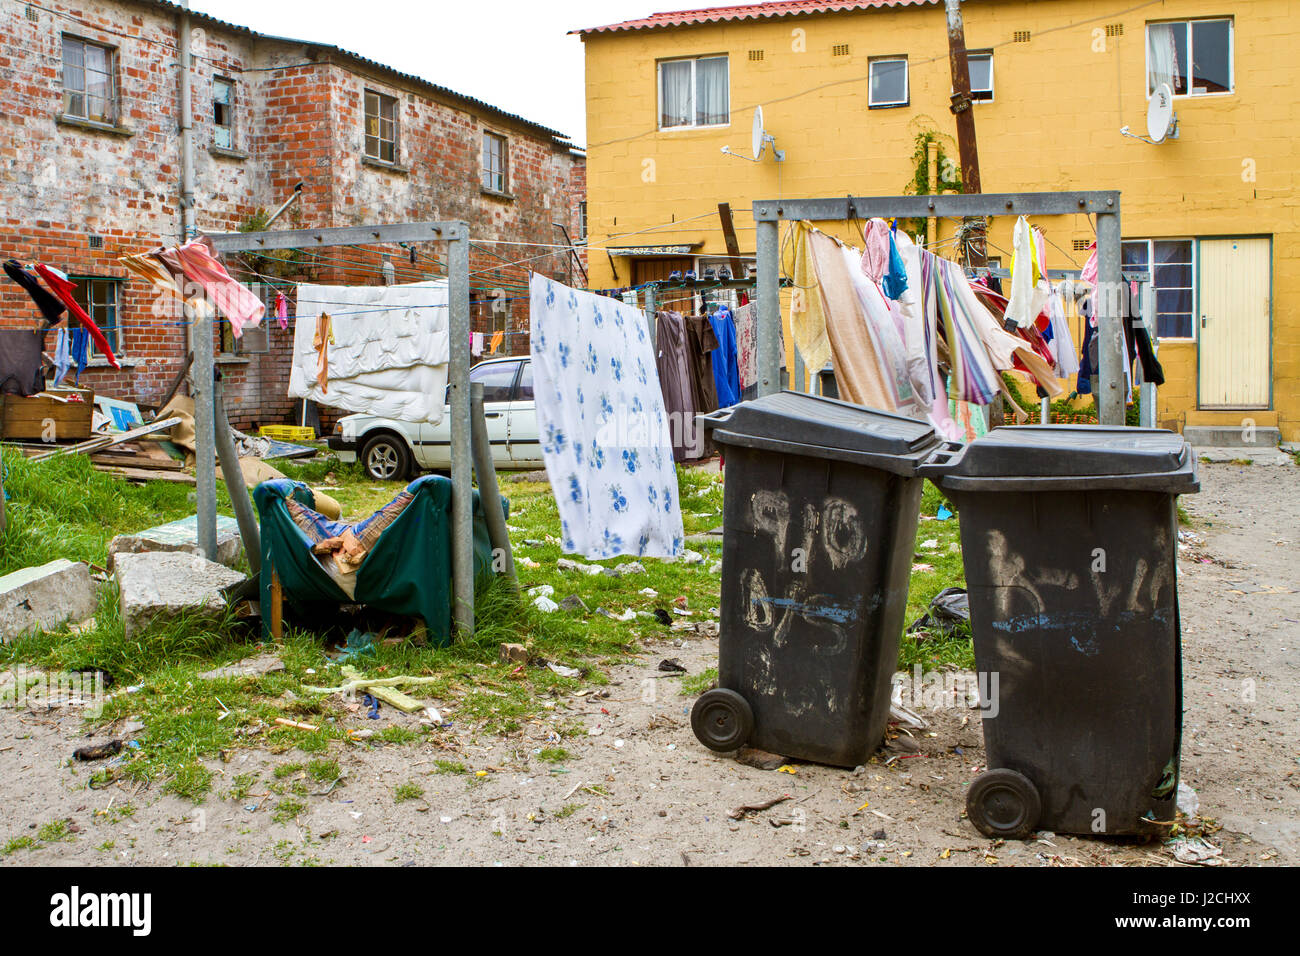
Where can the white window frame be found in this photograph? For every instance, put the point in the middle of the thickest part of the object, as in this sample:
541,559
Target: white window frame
1151,270
659,91
1232,55
113,99
907,82
982,53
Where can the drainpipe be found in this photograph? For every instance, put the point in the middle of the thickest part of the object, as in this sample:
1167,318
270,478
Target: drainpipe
186,127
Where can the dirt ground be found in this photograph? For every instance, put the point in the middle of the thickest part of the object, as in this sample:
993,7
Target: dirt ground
640,790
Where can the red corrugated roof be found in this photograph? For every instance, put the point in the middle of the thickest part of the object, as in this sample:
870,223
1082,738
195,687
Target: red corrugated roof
751,11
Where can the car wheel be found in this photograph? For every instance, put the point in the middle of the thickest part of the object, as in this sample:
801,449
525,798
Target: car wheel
386,458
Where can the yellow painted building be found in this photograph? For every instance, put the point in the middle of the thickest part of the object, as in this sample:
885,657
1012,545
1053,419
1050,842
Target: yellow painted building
851,92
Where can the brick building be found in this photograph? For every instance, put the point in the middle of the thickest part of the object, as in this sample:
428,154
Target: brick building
91,169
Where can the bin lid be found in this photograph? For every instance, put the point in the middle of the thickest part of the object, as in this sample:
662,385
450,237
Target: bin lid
798,424
1070,456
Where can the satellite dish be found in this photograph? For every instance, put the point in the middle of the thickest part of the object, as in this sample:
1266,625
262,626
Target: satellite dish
1161,121
759,138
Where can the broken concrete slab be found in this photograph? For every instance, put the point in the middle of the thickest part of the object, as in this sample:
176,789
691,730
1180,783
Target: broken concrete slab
164,585
41,598
1237,454
249,667
180,536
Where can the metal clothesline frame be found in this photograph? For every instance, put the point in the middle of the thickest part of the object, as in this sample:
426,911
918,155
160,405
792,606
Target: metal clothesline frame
1105,205
456,234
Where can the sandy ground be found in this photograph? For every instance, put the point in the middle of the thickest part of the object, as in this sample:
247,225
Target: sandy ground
643,791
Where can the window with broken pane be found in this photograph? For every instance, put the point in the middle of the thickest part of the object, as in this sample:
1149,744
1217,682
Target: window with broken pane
223,113
89,85
381,127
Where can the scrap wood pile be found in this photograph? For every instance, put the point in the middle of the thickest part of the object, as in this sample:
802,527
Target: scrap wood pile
131,454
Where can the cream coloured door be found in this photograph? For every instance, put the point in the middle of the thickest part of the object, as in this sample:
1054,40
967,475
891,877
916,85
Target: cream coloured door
1234,318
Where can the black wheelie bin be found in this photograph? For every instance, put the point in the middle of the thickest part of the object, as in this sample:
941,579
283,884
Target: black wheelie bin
819,527
1069,536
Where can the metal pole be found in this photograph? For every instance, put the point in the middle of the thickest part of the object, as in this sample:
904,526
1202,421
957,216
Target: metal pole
1111,400
205,450
462,480
488,492
652,315
235,485
768,327
1148,390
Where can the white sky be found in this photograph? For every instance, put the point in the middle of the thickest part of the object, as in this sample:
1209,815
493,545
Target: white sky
514,54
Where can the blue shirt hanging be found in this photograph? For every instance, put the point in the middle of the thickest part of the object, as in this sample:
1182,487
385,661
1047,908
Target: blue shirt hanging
726,367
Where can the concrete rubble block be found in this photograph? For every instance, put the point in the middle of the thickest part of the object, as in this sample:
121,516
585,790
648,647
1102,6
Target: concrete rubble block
512,653
180,536
42,598
164,585
249,667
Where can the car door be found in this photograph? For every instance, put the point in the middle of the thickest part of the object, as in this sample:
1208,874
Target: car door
498,380
525,446
433,445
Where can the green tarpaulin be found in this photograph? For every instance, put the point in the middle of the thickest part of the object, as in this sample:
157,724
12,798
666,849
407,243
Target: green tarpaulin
407,571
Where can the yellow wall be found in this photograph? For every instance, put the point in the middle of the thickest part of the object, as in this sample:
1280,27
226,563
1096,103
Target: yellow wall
1060,101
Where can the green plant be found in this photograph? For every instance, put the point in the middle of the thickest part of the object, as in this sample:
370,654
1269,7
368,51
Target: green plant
407,791
948,171
287,810
324,770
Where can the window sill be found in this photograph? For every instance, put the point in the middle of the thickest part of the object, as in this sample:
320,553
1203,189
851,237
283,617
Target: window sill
387,167
230,358
890,106
99,362
497,194
707,128
63,119
222,152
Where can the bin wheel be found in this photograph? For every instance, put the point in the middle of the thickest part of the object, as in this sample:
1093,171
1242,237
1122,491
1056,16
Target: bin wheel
722,720
1003,804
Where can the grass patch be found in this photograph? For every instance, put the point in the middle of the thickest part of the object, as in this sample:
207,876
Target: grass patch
63,508
694,685
287,810
18,843
554,754
242,787
324,770
407,791
56,831
450,766
568,810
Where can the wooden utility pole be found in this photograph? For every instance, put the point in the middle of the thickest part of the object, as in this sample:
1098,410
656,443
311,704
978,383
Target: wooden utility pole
974,250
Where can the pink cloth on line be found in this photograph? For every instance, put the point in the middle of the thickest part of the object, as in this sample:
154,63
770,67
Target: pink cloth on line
875,251
235,301
282,310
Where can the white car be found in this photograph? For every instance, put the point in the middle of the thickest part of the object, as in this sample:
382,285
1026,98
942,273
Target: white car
392,450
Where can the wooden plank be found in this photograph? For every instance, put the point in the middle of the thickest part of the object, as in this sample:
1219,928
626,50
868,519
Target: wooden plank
277,607
136,461
141,474
107,440
729,237
176,382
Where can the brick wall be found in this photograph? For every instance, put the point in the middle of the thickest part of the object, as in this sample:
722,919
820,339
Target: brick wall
299,117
